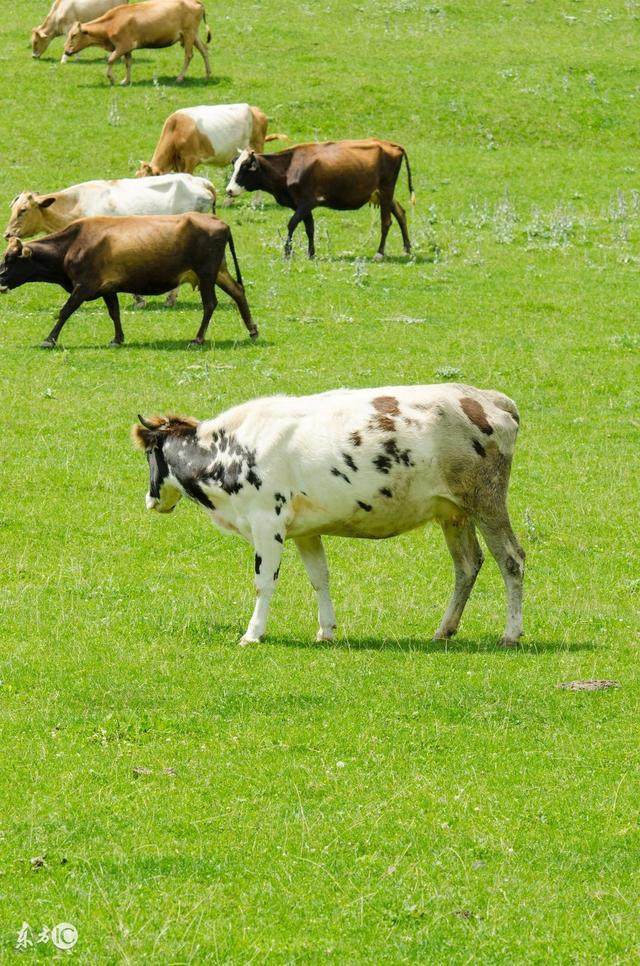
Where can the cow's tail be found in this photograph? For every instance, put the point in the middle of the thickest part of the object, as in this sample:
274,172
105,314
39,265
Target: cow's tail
411,191
232,249
276,137
204,17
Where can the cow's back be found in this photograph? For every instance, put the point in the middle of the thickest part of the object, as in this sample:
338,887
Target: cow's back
227,127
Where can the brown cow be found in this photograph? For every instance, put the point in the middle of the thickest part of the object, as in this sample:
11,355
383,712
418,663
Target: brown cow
209,133
145,254
150,24
342,175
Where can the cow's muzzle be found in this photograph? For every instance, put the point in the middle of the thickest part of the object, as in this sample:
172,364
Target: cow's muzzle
4,289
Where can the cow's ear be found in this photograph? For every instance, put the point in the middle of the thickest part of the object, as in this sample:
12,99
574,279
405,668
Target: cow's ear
46,202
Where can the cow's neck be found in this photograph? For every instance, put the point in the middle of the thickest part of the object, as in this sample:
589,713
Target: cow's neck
49,262
220,464
273,170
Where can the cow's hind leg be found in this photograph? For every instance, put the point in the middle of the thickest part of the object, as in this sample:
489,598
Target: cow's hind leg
266,564
509,556
209,302
236,291
202,48
467,559
113,307
401,217
315,562
385,224
75,300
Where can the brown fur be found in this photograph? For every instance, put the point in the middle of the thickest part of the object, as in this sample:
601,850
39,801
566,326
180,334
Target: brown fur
474,411
386,404
145,438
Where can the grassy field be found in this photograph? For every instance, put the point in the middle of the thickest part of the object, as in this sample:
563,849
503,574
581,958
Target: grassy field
384,799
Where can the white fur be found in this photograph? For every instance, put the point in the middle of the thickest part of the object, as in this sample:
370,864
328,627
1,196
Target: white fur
233,188
228,128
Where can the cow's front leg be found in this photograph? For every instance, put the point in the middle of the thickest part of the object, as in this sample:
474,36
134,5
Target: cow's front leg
111,59
310,228
315,562
75,300
267,544
298,216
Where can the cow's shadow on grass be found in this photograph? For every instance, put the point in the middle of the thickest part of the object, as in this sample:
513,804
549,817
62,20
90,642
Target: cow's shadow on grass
166,80
486,644
167,345
418,259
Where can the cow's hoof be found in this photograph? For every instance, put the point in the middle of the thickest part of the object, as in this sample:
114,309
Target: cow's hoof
247,641
124,83
253,335
195,343
115,344
48,344
325,635
443,634
139,304
509,641
179,80
378,257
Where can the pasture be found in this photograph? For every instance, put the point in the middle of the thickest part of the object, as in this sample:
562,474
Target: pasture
383,798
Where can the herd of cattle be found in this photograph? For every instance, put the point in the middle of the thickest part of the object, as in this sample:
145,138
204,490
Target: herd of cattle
364,463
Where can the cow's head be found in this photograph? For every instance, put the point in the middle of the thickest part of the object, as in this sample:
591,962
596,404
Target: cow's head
39,41
77,39
156,436
17,266
25,219
246,174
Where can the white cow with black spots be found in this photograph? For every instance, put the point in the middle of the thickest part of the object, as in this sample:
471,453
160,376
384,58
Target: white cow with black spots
353,463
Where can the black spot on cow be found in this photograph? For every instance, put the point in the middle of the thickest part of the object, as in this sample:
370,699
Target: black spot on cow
386,492
195,492
280,498
276,573
349,461
364,506
398,455
478,447
278,537
382,463
336,472
257,563
253,479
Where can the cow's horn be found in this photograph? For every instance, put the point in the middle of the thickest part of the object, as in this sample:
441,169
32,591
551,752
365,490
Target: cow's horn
145,423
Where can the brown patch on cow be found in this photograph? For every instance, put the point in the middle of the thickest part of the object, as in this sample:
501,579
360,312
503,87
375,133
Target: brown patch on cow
388,405
384,423
474,412
356,439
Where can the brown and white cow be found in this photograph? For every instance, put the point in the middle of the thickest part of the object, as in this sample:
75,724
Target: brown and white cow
342,175
142,254
208,134
62,15
147,25
368,463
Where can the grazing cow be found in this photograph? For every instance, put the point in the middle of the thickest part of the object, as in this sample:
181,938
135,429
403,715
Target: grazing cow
173,194
63,14
342,175
207,134
143,254
148,25
354,463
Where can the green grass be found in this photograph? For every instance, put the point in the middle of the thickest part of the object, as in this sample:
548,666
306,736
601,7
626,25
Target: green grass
384,799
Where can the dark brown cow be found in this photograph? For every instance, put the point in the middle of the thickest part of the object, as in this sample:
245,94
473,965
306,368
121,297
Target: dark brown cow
150,24
144,254
342,175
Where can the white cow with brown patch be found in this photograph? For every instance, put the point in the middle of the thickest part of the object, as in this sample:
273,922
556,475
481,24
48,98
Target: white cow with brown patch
61,17
368,463
211,134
